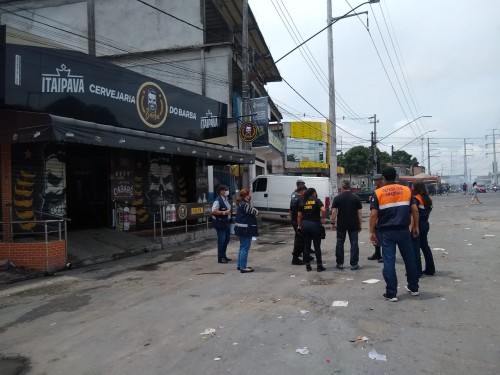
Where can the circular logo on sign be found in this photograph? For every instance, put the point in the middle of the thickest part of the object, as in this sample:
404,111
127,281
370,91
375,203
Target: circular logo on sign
248,131
152,104
182,212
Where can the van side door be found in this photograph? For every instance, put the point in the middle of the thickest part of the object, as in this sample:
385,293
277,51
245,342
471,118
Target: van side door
260,195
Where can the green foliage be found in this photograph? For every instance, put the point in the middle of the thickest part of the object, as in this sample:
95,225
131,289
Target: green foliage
358,160
383,159
402,157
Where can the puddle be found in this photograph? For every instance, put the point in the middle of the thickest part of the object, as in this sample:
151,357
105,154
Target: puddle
68,303
14,365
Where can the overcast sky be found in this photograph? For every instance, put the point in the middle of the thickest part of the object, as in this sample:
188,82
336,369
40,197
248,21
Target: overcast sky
424,57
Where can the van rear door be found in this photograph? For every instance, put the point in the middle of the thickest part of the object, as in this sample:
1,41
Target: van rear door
260,194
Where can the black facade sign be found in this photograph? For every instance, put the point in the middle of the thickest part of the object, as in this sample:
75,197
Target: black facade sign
75,85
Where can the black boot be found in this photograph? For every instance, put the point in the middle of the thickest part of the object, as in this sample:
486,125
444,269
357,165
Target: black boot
376,255
297,262
320,268
308,267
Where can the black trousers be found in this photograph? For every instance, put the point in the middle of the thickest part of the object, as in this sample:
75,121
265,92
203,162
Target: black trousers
298,242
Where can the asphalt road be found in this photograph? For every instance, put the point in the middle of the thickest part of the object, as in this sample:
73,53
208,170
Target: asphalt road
145,315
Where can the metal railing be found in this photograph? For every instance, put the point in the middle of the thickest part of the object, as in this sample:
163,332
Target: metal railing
165,218
33,231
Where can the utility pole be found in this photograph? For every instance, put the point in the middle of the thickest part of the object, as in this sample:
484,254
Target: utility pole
331,104
429,156
374,144
245,89
495,165
465,158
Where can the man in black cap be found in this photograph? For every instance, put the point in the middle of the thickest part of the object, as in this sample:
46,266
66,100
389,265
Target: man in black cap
298,243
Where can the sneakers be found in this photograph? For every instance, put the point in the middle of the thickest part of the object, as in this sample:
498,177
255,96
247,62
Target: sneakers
355,268
374,257
340,266
381,260
412,293
390,298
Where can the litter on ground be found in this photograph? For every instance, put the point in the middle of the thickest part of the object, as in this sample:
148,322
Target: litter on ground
379,357
208,331
371,281
340,303
302,351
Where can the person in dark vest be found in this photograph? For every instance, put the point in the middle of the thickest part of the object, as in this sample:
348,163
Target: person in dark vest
421,242
245,227
394,209
298,243
312,213
221,219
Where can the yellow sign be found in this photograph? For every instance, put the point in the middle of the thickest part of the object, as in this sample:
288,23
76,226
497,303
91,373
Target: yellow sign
312,164
318,131
196,210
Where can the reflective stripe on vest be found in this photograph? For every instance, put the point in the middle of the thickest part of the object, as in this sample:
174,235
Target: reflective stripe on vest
393,195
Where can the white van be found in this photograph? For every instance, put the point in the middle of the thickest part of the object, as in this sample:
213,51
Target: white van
271,193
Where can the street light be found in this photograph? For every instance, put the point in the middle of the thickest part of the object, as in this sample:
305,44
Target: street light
408,123
330,22
414,139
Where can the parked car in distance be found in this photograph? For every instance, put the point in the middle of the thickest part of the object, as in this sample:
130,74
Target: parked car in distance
481,188
365,194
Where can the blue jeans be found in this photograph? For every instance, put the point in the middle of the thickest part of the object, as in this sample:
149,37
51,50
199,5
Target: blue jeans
311,232
339,249
223,237
245,243
401,238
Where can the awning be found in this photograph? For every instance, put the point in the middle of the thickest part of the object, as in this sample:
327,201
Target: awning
25,127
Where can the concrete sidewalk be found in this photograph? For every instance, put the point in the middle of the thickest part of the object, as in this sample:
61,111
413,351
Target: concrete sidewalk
92,246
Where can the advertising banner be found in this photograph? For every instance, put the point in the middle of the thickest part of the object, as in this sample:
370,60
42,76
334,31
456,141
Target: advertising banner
75,85
260,117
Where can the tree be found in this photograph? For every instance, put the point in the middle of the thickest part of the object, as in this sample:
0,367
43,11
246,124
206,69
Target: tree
402,157
358,160
383,159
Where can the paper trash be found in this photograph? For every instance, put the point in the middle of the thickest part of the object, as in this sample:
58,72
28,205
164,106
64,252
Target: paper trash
208,331
340,303
379,357
371,281
302,351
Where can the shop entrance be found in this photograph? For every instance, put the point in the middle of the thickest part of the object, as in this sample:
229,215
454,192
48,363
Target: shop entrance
87,176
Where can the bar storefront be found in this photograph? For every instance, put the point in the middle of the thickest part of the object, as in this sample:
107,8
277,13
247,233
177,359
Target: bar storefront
102,145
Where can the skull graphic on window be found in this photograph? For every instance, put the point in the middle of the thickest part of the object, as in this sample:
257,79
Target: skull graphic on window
54,193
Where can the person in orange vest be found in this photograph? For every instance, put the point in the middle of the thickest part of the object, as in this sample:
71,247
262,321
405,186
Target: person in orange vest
393,208
421,242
